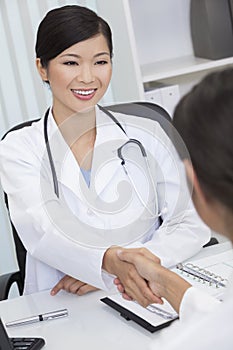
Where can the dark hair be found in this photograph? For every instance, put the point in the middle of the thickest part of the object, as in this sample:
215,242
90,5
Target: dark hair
66,26
204,120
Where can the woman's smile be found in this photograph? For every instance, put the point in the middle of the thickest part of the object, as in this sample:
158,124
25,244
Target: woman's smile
79,76
84,94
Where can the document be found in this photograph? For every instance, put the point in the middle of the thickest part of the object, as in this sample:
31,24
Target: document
209,274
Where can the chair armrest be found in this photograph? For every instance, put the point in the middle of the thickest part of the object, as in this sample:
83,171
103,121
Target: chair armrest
6,282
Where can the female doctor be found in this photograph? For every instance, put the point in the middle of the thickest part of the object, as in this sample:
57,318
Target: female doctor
81,182
205,322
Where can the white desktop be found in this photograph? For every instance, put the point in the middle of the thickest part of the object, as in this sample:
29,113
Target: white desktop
90,324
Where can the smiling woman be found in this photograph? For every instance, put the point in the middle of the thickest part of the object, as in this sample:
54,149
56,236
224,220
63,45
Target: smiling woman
80,73
22,96
71,230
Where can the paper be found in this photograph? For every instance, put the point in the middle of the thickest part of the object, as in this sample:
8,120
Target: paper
218,264
151,317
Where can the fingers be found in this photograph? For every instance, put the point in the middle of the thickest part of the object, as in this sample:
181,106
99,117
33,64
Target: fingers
145,266
121,290
119,285
129,281
72,285
86,288
130,254
67,283
136,288
59,286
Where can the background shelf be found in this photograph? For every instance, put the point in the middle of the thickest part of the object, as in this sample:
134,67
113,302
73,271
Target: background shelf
180,66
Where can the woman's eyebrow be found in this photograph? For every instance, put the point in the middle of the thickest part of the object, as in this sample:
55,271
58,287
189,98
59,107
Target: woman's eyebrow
78,56
102,53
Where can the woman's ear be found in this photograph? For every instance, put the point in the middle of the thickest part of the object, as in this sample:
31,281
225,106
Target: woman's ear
42,71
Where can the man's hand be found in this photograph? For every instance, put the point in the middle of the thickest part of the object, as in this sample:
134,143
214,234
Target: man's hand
137,257
128,281
72,285
163,282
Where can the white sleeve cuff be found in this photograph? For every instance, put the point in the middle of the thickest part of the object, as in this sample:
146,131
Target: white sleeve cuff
196,302
108,281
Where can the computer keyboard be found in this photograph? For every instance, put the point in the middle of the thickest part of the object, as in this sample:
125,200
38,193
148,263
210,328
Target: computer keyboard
27,343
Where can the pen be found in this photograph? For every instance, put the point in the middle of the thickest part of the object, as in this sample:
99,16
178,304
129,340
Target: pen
53,315
160,312
165,314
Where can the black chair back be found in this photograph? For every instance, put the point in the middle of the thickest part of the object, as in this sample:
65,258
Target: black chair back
19,247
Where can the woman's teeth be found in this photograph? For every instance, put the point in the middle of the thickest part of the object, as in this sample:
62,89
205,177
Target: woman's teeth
84,92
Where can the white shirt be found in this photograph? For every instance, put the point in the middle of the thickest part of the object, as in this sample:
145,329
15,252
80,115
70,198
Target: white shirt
70,235
205,323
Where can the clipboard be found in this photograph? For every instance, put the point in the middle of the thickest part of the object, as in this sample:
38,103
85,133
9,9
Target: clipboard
131,311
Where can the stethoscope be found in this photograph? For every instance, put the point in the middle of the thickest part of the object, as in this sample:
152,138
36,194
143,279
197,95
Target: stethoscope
119,154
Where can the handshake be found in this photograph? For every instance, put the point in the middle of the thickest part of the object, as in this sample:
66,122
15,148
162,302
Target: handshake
141,277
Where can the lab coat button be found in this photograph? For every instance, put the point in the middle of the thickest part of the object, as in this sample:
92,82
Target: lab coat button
89,212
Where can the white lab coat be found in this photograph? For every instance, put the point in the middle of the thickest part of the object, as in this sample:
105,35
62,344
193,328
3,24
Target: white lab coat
69,235
205,323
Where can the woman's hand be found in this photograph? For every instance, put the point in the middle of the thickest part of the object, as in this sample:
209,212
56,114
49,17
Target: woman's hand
72,285
128,281
162,281
136,256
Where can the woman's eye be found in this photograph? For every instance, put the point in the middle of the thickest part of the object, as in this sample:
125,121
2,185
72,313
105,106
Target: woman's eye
70,63
101,62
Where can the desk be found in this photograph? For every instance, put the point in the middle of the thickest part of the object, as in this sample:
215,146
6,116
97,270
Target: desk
90,324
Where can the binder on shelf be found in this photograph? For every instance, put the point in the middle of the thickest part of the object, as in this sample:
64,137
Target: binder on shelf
211,28
167,96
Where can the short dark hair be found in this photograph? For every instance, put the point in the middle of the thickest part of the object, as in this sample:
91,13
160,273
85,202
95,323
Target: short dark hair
65,26
204,120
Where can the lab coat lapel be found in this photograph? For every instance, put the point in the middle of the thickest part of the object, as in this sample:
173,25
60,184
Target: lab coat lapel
67,168
105,163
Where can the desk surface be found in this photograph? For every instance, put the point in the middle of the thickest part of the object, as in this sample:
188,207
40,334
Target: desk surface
90,324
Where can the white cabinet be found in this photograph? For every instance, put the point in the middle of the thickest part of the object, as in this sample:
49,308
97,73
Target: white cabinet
152,43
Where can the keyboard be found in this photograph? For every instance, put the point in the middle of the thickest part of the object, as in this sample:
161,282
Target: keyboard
26,343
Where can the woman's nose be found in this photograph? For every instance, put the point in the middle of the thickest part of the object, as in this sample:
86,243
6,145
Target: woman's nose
86,74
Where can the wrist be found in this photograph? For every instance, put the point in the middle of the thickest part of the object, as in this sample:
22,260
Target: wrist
108,259
172,287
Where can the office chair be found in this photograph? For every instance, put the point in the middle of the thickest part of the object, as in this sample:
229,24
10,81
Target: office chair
147,110
142,109
7,280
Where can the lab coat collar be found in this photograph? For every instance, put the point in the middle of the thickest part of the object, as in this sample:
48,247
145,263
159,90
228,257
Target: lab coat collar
105,164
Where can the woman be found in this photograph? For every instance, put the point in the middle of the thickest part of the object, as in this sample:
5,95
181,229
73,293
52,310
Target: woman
70,223
203,117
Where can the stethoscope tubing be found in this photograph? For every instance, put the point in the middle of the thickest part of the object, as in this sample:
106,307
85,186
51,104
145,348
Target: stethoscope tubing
46,139
119,153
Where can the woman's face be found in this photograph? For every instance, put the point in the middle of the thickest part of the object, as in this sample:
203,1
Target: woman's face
78,76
